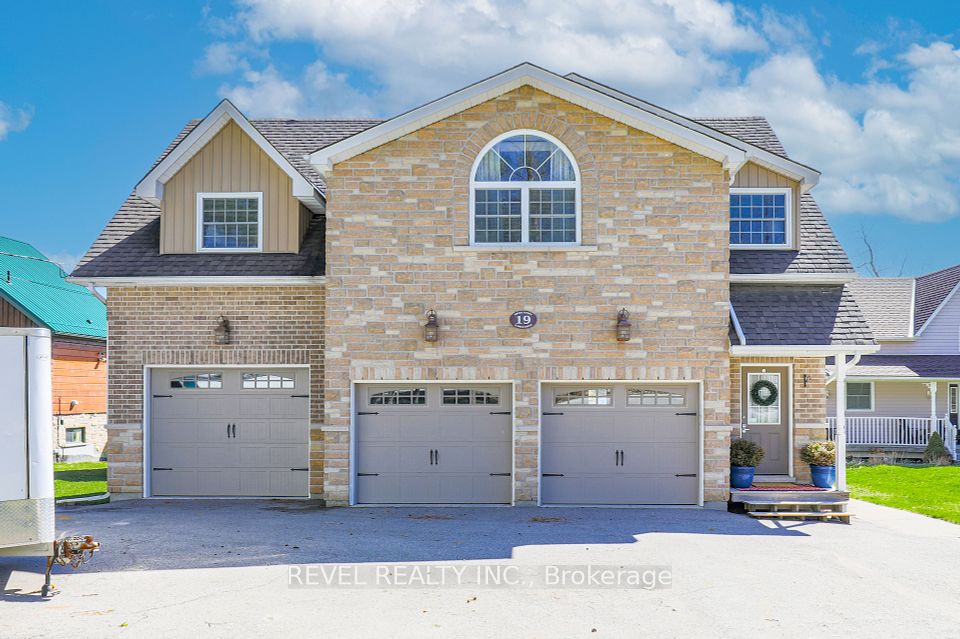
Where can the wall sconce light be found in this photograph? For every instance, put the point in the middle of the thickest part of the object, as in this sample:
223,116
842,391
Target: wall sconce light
804,380
623,325
221,334
431,330
101,356
73,404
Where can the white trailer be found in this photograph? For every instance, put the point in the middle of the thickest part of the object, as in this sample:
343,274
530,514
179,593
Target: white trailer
26,455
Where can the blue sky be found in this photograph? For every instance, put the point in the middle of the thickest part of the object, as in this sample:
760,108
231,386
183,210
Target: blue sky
865,91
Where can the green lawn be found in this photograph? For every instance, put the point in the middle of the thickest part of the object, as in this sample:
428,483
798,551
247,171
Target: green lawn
929,490
80,479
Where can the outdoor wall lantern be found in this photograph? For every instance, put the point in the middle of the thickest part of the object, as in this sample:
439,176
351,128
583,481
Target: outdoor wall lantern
101,356
221,334
623,325
431,330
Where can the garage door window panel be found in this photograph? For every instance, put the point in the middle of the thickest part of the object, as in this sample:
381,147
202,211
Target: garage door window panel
267,381
584,397
197,381
399,397
655,397
469,397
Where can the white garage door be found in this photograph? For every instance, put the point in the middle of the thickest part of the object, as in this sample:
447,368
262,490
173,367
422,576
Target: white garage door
233,432
620,444
433,444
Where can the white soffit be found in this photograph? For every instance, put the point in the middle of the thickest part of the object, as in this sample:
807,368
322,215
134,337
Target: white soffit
677,130
150,188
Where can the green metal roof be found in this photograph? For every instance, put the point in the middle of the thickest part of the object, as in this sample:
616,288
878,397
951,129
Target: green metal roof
39,289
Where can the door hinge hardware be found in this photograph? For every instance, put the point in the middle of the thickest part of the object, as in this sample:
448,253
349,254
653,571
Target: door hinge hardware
368,474
553,413
367,412
686,414
686,475
499,474
551,474
303,469
502,412
156,396
163,469
304,396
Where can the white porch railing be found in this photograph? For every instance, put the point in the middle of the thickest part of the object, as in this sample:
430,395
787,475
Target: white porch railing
895,431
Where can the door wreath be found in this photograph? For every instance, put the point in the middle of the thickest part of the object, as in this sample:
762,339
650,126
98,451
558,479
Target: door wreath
758,397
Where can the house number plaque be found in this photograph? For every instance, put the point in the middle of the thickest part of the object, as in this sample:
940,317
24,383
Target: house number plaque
523,319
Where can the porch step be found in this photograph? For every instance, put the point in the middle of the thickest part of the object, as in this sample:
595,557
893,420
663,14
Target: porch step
845,517
775,496
803,509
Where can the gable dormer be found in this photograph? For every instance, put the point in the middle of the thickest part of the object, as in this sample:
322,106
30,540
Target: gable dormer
226,189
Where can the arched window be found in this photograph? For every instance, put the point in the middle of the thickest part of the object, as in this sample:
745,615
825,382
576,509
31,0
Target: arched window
525,189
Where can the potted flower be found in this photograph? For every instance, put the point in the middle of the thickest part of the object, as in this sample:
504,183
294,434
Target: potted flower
745,455
822,457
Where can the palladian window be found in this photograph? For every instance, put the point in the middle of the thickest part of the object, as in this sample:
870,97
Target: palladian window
526,190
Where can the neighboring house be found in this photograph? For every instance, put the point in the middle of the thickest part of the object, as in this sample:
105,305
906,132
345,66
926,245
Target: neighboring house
911,387
536,289
34,292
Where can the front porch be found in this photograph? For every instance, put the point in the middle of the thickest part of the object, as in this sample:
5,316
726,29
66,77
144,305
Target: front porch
789,500
882,436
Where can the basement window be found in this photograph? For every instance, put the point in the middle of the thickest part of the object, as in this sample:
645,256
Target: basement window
761,218
76,435
229,222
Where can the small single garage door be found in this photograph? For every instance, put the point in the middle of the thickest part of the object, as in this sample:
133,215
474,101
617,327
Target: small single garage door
620,444
233,432
433,444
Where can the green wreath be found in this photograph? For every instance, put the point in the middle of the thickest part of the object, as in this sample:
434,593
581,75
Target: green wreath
758,386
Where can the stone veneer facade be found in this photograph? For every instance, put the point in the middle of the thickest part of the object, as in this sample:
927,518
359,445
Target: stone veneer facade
174,326
397,236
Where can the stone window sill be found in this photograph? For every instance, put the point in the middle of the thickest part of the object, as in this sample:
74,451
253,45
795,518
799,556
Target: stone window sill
524,248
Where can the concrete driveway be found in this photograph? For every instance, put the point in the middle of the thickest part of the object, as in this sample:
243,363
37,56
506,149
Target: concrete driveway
220,568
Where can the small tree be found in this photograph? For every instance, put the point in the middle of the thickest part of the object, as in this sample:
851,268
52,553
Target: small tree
819,454
936,452
744,452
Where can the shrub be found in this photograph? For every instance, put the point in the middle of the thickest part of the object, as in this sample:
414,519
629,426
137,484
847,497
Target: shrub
745,453
819,454
936,452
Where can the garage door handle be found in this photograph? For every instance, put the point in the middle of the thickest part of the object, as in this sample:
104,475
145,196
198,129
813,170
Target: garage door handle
686,414
304,396
303,469
499,474
163,469
363,412
502,412
234,430
553,413
551,474
163,395
368,474
686,475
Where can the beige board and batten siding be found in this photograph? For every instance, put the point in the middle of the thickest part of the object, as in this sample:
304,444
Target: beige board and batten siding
754,176
231,162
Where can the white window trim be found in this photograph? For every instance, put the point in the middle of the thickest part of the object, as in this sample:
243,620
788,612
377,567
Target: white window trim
524,188
205,196
873,398
788,207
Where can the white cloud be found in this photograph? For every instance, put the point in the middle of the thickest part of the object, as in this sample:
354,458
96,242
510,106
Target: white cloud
66,261
13,120
884,145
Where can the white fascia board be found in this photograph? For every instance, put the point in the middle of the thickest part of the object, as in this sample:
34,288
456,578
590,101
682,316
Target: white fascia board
807,176
913,308
939,308
150,188
793,278
803,351
737,327
680,133
212,280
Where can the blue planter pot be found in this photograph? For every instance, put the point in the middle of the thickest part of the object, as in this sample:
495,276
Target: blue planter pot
741,476
824,476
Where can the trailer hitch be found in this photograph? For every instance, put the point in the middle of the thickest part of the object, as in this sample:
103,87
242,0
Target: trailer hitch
71,551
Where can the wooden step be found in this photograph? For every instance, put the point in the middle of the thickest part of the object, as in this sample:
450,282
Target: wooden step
800,515
812,504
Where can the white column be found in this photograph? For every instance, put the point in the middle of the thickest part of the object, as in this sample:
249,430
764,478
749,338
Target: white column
841,434
932,386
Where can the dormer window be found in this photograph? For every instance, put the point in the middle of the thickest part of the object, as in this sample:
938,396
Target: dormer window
525,189
229,222
761,218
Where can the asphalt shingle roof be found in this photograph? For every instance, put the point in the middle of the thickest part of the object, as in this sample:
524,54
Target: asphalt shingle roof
935,366
886,304
37,287
799,315
932,289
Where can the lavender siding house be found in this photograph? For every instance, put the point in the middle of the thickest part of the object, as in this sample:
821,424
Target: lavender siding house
911,387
